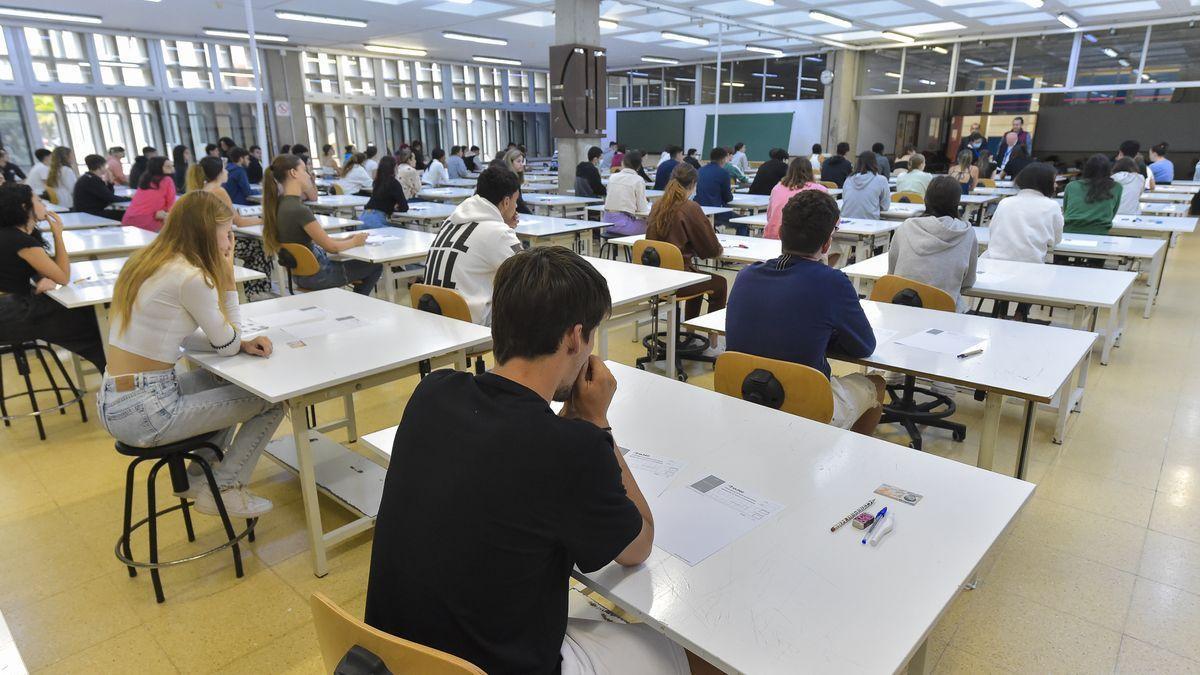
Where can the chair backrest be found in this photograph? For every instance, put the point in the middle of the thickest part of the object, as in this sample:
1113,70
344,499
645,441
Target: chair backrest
337,632
889,286
829,184
908,197
987,182
791,387
337,189
658,254
303,263
437,300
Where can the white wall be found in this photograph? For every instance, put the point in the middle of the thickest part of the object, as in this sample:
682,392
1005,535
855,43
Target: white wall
806,122
877,122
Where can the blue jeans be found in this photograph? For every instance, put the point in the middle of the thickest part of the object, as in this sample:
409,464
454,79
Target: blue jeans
338,273
373,220
165,407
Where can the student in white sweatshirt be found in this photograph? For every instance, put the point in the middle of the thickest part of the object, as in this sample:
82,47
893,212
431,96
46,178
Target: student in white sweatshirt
739,158
1132,183
1028,225
436,174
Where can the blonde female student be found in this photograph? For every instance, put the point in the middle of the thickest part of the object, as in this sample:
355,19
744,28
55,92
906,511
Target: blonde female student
180,281
209,175
62,176
286,220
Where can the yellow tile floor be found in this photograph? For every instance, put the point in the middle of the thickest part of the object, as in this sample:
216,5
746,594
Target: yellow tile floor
1100,573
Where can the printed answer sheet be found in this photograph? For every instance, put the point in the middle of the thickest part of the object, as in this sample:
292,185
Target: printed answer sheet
299,324
694,521
652,473
942,341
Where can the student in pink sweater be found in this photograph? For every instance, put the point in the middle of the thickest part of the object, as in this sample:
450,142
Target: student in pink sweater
154,197
799,177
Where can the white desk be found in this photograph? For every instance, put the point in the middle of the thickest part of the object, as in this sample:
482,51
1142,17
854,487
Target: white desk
1083,289
749,203
709,211
1164,209
530,188
551,231
791,597
1164,195
77,220
328,223
1162,227
338,203
1193,185
462,183
393,339
391,246
51,206
999,191
446,194
860,230
425,214
105,242
565,203
1030,362
736,248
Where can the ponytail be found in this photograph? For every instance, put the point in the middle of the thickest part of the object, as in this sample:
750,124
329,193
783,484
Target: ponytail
200,173
663,213
195,178
274,178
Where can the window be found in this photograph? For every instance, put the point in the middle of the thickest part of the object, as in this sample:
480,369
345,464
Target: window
462,79
397,79
320,73
780,77
1042,61
1174,54
645,87
708,83
237,71
50,128
742,83
541,87
983,65
123,60
1110,57
187,65
489,84
6,70
679,86
811,67
359,75
79,115
926,69
429,81
12,130
880,72
518,86
58,56
616,91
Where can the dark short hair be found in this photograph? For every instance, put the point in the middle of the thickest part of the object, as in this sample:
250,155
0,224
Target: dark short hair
437,153
370,152
867,163
843,148
877,147
594,152
115,149
718,153
16,203
474,147
1124,164
1130,148
41,153
632,159
1019,118
147,149
300,150
809,217
541,294
610,143
210,147
1040,176
816,148
94,162
496,183
738,146
454,149
1160,149
778,153
943,196
236,154
255,147
225,140
691,151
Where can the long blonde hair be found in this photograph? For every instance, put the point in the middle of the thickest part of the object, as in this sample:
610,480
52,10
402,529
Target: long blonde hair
189,232
663,213
274,178
357,159
509,160
59,158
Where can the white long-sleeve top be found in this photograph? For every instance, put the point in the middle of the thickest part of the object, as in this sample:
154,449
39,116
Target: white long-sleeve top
36,178
356,180
626,193
436,174
1026,227
169,307
66,187
740,160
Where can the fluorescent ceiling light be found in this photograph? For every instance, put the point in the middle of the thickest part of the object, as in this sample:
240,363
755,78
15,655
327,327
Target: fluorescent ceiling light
818,15
939,50
634,73
974,62
481,39
927,82
317,18
49,16
397,51
668,88
243,35
807,89
815,59
461,2
684,79
1124,62
1110,52
1036,4
765,50
776,86
765,74
660,59
1090,38
680,37
734,84
609,23
496,59
1067,20
898,37
894,75
998,69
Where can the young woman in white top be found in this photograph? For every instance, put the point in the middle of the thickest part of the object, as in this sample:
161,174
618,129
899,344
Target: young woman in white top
625,204
62,176
436,174
407,174
1132,183
354,177
816,158
209,175
1028,225
739,158
180,281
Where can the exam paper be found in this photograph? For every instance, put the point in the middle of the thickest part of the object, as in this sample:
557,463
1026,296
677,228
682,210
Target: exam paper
310,329
941,341
652,473
695,521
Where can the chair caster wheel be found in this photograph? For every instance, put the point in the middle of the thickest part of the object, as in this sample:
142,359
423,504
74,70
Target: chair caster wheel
641,366
682,376
959,436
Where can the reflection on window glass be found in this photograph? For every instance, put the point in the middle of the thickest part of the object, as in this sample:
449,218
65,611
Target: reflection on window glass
1110,57
58,56
489,84
616,91
79,113
645,87
744,84
187,64
518,86
237,72
1174,54
811,67
927,69
12,131
708,83
6,71
983,65
1042,61
879,71
320,73
49,128
781,77
429,80
541,88
123,60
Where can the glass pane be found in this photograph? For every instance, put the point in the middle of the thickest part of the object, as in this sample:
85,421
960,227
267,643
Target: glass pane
541,88
983,65
646,86
79,115
810,76
359,74
187,64
1110,57
6,71
708,83
237,72
1174,54
58,56
397,79
927,69
429,81
1042,61
879,71
679,86
781,77
49,130
123,60
12,131
744,85
320,73
616,91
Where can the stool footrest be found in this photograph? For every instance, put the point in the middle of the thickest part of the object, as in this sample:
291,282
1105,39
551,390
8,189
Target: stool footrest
170,563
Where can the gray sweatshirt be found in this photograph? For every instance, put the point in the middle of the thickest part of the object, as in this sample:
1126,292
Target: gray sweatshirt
864,195
939,251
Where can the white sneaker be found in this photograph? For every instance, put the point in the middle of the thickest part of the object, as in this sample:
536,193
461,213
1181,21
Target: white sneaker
717,348
239,503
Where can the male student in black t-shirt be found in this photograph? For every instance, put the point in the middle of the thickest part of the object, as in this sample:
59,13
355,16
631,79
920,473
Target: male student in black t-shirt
491,498
93,193
837,168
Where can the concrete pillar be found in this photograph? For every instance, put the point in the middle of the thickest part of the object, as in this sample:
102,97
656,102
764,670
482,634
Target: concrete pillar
841,110
575,22
286,84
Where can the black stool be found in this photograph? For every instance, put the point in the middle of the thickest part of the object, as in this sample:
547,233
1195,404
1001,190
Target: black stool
19,350
172,455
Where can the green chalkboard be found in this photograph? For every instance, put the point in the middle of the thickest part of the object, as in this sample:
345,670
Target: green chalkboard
649,130
760,133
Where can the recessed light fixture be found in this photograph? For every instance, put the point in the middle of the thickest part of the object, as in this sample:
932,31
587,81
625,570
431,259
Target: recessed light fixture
609,23
496,60
814,59
1124,62
898,37
317,18
680,37
397,51
940,50
765,50
1110,52
660,59
776,86
1036,4
1067,20
929,83
242,35
684,79
49,16
481,39
734,84
818,15
1090,38
461,2
893,75
635,73
974,62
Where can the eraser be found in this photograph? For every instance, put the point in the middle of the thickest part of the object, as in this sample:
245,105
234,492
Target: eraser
863,521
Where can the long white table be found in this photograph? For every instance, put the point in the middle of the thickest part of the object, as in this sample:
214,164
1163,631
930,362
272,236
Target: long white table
391,246
105,242
1169,196
749,203
709,211
446,194
387,345
735,248
78,220
860,230
1162,227
328,223
549,231
425,214
1084,290
565,203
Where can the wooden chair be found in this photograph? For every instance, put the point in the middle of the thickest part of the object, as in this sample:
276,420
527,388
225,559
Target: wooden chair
829,184
338,632
904,409
449,303
688,345
337,189
298,260
791,387
986,182
908,197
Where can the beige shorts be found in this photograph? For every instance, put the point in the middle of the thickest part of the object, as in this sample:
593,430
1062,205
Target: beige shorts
853,395
603,648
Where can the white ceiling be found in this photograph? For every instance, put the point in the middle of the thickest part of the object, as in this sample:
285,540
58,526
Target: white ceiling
528,24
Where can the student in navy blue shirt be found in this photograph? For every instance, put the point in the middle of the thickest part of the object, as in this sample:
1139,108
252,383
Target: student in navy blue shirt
662,175
712,187
796,308
238,184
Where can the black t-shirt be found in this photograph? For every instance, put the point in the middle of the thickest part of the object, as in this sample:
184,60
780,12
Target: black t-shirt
836,169
12,173
388,198
769,174
15,273
489,501
93,195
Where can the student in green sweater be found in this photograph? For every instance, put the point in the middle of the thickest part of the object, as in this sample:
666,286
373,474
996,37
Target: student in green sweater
1091,203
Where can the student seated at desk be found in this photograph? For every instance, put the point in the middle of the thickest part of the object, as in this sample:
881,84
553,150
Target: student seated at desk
1028,225
770,172
181,157
62,176
237,182
456,167
836,169
436,174
1091,203
354,178
965,172
736,173
799,177
691,158
662,174
181,281
476,239
618,158
329,158
587,175
712,188
27,271
211,175
739,160
796,308
816,159
676,219
1162,168
154,197
93,192
9,171
488,484
407,174
116,168
626,198
867,192
885,167
286,220
916,179
937,248
1132,184
513,159
38,172
387,196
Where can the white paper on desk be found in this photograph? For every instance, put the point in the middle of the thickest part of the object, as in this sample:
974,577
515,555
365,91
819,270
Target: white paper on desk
941,341
695,521
883,335
652,473
289,317
1082,243
101,279
309,329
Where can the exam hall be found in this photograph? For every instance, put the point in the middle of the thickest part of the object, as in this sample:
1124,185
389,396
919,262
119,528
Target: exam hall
581,336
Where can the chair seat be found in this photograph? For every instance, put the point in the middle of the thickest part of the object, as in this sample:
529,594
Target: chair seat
167,449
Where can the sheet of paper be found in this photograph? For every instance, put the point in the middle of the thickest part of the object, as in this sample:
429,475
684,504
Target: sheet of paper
883,335
941,341
379,236
291,316
311,329
652,473
100,279
695,521
1081,243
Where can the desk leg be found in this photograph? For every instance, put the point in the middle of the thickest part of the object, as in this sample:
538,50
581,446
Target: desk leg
1157,268
991,428
1026,438
916,665
1066,403
389,282
1126,301
308,488
672,329
351,420
1110,332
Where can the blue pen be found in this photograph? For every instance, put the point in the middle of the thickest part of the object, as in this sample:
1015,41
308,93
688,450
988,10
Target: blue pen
878,516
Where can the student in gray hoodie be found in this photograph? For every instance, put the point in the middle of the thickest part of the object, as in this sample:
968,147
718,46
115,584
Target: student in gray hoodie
865,193
937,248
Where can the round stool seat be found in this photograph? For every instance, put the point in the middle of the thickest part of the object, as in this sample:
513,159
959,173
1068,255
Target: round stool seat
167,449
